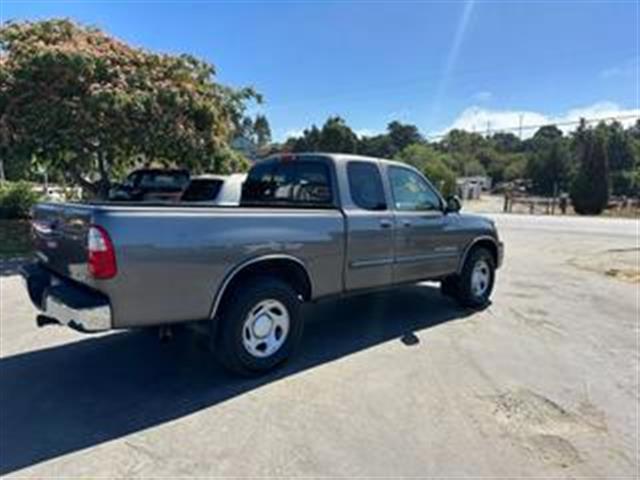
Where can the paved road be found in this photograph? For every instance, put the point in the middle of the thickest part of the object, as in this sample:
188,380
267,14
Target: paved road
544,382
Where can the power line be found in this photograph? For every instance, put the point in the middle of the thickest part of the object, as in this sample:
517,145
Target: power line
519,128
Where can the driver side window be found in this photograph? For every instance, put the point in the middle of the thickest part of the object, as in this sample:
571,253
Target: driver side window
411,192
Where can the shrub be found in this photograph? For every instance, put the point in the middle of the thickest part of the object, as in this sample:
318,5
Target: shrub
16,199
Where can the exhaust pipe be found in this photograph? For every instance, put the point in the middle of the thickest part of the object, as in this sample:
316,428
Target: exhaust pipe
43,321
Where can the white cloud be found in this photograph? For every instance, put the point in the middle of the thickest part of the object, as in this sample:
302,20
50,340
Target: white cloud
479,119
365,132
482,96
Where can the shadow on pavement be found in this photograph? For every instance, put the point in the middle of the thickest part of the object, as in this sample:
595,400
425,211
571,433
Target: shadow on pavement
62,399
10,266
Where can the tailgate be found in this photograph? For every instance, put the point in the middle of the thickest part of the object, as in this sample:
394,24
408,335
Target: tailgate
60,237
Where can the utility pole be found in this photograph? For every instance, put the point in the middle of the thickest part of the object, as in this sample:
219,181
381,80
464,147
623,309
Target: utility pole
488,128
520,125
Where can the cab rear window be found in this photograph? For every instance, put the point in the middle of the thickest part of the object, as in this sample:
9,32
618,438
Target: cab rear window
289,183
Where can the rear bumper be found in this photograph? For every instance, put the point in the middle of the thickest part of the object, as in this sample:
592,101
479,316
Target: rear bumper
65,302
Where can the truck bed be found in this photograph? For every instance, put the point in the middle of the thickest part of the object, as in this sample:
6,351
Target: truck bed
173,258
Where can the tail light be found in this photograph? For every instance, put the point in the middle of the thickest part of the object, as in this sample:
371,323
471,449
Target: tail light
102,255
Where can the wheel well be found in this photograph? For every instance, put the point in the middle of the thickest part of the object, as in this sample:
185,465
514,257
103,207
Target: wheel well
487,244
288,271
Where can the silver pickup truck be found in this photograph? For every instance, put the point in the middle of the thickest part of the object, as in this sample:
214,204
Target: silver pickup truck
309,227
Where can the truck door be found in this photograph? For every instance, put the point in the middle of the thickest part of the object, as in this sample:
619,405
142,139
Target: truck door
423,248
369,259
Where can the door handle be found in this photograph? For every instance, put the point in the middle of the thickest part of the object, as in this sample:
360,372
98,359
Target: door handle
384,223
406,223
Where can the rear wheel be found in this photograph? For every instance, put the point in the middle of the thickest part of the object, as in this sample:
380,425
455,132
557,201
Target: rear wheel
260,326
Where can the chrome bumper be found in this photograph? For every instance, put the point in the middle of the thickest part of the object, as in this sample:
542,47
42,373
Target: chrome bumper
65,302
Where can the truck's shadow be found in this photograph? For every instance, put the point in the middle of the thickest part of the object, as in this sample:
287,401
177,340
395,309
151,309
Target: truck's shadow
62,399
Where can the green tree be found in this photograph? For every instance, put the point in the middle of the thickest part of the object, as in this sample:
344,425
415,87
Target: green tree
499,165
380,146
460,141
506,142
590,187
308,142
337,137
432,164
546,134
262,131
515,167
227,160
402,135
88,105
622,158
549,166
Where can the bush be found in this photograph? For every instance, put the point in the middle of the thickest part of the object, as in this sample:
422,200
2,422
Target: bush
16,199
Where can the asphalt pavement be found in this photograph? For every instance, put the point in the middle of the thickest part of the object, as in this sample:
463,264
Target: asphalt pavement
542,383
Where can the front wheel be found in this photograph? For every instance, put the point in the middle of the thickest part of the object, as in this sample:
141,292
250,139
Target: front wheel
260,327
473,287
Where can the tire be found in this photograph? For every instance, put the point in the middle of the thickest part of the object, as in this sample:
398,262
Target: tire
472,290
260,327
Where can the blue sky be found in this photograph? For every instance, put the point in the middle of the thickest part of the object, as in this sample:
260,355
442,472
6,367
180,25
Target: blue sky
469,64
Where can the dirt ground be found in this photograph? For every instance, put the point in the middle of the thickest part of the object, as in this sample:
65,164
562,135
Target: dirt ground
543,383
489,203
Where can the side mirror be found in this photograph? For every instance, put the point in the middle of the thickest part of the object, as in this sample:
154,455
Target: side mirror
453,204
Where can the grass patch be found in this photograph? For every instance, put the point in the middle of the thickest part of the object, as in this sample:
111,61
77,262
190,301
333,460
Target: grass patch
15,239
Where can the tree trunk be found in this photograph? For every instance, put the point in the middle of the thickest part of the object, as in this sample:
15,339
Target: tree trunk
2,176
82,182
103,183
98,189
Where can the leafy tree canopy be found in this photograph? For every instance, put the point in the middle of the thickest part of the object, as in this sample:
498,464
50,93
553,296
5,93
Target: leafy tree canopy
84,102
336,136
402,135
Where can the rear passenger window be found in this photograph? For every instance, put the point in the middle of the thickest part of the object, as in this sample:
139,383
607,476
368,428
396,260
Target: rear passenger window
365,185
292,183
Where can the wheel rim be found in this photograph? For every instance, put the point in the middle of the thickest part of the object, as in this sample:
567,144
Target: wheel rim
265,328
480,278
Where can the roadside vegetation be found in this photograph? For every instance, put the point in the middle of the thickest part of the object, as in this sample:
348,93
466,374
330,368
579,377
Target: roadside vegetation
86,108
591,164
16,199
